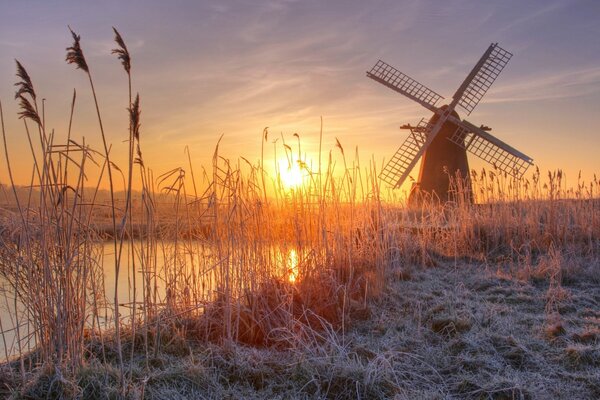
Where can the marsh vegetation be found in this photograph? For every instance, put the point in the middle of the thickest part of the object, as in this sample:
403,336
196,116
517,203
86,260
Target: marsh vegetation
233,281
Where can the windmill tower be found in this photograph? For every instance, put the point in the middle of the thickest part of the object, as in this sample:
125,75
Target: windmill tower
443,140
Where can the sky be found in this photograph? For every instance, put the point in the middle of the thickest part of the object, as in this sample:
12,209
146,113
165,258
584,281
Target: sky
209,68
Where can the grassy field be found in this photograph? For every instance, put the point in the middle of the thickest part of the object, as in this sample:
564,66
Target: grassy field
231,284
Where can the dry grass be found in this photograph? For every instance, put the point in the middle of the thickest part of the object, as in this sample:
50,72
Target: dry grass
238,287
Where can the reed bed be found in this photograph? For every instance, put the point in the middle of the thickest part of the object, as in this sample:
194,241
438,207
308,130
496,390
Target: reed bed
232,257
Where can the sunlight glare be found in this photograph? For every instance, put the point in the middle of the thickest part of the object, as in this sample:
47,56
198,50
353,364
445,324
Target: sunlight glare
291,175
292,266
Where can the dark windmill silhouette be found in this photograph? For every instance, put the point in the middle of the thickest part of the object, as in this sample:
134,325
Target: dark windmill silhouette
444,140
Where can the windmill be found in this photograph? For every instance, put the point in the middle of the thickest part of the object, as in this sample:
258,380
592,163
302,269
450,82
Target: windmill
443,140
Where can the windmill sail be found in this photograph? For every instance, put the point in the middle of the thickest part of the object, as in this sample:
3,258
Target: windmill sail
467,136
398,167
491,149
481,77
389,76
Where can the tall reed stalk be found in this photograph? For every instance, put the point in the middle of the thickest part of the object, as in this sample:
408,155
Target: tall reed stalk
75,56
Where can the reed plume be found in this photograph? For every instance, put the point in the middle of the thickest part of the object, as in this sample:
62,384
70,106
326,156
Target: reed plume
25,86
339,145
122,52
75,53
27,110
134,115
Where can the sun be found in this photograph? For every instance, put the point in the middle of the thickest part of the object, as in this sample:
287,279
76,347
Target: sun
290,174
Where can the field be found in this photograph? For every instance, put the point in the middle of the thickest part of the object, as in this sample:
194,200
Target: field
230,283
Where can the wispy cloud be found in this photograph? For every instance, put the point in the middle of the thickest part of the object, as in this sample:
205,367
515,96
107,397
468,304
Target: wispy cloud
551,86
540,13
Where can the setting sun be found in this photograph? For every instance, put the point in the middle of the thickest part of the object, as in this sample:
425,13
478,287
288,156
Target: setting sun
290,174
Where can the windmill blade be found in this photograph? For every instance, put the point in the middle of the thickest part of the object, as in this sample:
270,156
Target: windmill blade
399,166
401,83
491,149
481,77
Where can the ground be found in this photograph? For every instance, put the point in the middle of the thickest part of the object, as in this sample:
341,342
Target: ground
458,329
471,331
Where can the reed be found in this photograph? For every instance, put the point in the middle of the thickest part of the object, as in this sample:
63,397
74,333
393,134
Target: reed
236,256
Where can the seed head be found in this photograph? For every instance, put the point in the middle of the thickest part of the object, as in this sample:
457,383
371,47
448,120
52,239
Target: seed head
27,110
122,52
24,85
134,117
75,53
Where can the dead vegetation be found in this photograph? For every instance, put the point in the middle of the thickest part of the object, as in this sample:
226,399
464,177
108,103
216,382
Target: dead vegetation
237,286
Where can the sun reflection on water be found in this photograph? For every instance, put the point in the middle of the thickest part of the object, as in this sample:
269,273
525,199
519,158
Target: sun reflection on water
292,265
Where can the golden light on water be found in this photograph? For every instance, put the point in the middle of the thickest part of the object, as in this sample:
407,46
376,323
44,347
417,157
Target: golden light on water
292,265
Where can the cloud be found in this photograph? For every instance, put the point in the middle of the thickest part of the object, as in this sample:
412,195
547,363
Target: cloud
552,86
528,18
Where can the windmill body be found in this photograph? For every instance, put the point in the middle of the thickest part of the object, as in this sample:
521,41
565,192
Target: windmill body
443,163
443,141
